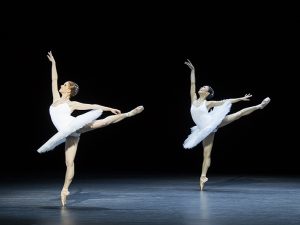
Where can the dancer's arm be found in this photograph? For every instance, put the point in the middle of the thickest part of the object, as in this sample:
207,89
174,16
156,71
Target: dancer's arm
83,106
232,100
54,76
193,81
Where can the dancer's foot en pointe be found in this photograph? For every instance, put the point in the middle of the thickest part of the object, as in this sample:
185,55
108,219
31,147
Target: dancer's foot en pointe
135,111
63,196
203,180
265,102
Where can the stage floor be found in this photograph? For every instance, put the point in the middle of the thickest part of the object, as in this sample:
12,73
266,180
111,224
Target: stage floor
234,200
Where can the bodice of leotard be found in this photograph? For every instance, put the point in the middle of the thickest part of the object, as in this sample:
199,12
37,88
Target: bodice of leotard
200,114
60,115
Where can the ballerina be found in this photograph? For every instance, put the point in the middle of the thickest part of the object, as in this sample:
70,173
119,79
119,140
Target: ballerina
209,116
69,127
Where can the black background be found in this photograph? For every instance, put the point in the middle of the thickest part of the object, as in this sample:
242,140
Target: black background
125,58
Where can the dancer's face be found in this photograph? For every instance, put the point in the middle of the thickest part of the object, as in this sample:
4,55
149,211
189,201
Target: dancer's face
65,88
204,90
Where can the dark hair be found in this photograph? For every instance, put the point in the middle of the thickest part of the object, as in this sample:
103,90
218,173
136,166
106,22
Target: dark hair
211,93
74,88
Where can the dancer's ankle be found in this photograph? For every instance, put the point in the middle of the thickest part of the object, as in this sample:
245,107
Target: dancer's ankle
203,178
65,190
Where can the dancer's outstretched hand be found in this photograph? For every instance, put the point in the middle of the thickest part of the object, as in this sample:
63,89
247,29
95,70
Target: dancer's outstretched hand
189,64
115,111
246,97
50,57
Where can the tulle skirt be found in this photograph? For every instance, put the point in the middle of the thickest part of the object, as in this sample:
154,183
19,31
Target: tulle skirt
198,132
70,130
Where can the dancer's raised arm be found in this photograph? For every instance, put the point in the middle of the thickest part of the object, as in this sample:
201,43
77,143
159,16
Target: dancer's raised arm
193,81
54,77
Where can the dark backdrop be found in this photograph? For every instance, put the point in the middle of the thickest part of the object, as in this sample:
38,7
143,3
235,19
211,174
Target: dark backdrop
138,58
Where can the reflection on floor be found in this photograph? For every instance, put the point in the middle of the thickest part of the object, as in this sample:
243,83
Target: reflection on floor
154,200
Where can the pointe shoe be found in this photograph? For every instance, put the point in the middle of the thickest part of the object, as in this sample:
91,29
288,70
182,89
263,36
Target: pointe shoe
63,197
265,102
135,111
203,180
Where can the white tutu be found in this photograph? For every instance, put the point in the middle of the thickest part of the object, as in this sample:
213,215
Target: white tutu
66,124
206,122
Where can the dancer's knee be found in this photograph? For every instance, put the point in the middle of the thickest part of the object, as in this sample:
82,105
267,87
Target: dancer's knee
206,155
100,123
69,163
238,115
